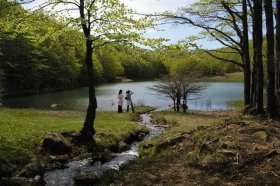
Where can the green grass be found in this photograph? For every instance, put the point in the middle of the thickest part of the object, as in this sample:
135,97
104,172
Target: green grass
21,130
178,123
236,104
228,77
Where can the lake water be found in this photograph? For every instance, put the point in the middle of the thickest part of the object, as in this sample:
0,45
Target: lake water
215,97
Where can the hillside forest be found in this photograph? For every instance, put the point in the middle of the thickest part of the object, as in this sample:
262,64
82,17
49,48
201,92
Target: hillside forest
40,54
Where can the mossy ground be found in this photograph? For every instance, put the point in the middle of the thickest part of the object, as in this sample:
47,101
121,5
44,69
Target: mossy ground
233,150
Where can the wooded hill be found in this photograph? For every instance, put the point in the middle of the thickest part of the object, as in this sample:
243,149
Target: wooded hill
40,53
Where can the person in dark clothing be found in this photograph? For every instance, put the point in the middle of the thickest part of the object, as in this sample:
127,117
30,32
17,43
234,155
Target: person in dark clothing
129,101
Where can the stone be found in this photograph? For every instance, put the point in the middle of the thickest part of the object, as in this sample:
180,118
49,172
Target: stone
204,148
250,180
103,157
89,179
17,181
83,156
161,126
54,106
55,165
177,138
6,168
39,181
213,181
202,127
224,145
151,176
1,104
133,137
146,146
262,135
241,123
32,169
123,147
56,144
60,158
215,140
70,134
228,153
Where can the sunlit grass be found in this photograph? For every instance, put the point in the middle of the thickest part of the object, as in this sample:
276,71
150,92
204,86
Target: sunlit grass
228,77
21,130
181,122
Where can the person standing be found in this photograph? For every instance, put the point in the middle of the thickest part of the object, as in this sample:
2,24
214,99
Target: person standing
120,102
129,101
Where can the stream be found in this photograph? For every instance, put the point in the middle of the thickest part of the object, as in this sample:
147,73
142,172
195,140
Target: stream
80,167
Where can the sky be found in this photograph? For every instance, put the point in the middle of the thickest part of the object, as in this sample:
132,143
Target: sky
170,31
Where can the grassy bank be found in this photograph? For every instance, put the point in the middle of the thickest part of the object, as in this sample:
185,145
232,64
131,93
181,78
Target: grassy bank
228,77
177,123
21,130
208,148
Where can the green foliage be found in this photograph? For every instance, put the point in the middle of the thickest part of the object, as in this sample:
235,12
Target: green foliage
110,62
139,63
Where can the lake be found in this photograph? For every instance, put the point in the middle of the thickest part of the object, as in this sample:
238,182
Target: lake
215,97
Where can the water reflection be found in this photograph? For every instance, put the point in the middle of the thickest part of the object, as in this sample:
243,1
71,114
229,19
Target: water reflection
215,96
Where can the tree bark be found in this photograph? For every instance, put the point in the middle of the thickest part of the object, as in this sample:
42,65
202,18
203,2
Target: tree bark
246,56
254,73
88,131
271,98
178,103
277,59
174,104
257,18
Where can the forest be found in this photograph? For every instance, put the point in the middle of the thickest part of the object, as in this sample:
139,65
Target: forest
41,54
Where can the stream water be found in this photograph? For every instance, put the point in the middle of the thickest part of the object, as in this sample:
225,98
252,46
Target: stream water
66,176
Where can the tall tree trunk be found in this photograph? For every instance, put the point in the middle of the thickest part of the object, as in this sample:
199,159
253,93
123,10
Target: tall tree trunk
88,131
257,18
174,104
178,103
246,56
271,98
254,73
277,58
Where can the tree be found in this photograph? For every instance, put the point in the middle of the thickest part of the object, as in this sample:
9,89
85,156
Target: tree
271,96
179,87
277,58
223,22
258,76
102,22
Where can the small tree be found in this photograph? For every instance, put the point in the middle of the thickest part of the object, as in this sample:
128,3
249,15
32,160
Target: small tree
179,87
189,86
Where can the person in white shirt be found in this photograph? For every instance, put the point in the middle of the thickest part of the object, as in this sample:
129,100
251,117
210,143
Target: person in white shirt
120,102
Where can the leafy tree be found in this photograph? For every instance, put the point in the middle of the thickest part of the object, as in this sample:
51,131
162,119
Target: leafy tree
223,22
102,22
